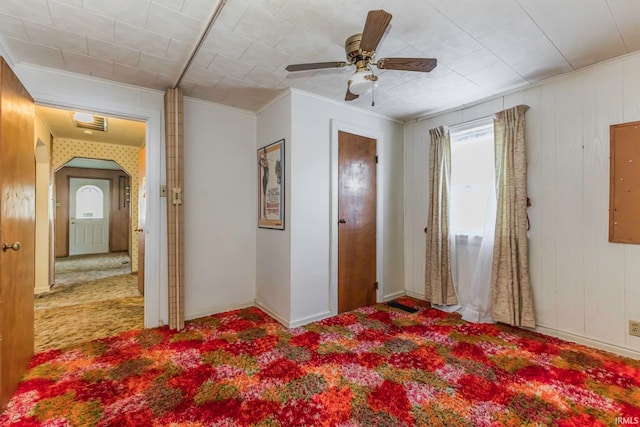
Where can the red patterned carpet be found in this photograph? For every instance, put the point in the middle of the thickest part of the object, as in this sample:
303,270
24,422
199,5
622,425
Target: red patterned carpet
376,366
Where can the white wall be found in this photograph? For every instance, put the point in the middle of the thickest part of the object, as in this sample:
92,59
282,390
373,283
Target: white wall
585,288
273,247
293,266
310,224
219,208
74,91
42,146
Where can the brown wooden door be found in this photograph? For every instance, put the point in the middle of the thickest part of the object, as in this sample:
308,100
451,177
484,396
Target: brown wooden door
142,209
17,231
357,221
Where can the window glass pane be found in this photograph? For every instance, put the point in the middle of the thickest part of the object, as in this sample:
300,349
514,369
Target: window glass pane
472,175
89,202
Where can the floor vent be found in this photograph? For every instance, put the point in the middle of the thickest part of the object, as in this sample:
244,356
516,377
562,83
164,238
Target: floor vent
402,307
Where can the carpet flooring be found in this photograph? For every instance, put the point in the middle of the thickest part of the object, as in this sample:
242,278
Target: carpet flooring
82,312
375,366
94,297
83,268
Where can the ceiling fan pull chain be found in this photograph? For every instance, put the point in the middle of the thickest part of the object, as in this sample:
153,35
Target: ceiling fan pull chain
373,94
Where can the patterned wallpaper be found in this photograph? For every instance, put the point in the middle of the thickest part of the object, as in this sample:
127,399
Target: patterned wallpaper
127,157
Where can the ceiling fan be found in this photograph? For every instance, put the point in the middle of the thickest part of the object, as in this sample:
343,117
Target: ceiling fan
360,49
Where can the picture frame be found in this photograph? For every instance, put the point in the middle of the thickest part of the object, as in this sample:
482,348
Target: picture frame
271,194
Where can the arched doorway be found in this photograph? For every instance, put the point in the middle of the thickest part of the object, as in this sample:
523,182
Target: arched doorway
94,210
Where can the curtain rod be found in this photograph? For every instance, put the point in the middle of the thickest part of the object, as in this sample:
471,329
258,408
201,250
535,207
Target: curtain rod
472,123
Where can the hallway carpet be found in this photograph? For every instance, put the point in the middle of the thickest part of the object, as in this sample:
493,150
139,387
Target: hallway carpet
82,268
94,297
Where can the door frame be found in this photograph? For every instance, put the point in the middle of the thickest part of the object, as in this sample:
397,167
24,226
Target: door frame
155,271
340,126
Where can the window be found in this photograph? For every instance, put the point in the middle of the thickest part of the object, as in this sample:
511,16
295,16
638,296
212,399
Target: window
89,202
472,176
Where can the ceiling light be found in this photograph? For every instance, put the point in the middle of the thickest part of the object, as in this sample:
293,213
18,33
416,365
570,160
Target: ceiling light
89,121
83,117
362,81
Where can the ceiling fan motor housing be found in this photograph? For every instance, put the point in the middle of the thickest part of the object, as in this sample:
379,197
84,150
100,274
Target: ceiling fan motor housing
352,48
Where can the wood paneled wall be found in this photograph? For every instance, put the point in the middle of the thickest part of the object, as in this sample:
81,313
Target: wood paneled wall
585,288
119,213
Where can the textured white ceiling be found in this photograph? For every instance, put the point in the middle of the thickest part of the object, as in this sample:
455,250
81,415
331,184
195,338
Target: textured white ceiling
483,47
119,131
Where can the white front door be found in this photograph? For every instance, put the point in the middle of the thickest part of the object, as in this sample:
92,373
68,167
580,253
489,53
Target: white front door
88,216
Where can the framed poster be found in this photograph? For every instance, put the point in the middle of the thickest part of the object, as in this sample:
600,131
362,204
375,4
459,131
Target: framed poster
271,186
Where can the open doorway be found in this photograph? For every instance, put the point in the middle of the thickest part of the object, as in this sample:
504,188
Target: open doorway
92,288
93,222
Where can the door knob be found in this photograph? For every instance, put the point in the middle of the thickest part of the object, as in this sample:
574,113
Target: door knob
138,230
15,246
342,220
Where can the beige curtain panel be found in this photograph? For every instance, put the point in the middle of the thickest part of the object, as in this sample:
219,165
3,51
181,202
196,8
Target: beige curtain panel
511,294
438,282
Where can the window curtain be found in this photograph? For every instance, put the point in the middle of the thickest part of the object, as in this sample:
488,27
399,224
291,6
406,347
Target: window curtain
472,249
511,294
472,260
438,281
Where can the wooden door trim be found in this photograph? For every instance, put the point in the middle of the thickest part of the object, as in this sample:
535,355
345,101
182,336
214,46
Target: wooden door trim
340,126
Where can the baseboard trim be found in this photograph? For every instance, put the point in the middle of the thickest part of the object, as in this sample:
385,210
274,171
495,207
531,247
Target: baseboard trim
272,313
309,319
393,296
216,310
567,336
292,323
417,295
43,290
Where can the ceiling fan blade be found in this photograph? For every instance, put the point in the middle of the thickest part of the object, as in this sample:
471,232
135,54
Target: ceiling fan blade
374,28
350,96
408,64
316,66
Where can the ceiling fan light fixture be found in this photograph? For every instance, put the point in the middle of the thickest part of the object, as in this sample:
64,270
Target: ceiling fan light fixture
362,81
